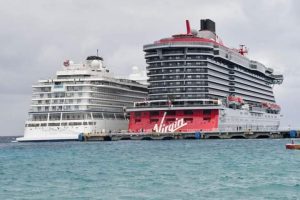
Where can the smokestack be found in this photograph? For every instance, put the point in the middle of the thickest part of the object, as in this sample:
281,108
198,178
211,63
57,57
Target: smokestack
207,25
188,27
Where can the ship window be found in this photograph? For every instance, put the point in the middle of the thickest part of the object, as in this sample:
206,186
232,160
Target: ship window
206,112
154,113
109,115
206,118
171,112
75,123
31,125
97,115
137,114
188,112
119,116
153,120
43,124
188,120
53,124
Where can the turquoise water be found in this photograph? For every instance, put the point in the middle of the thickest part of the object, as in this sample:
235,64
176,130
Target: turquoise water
179,169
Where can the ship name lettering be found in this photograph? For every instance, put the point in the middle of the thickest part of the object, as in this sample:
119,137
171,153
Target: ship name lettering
163,128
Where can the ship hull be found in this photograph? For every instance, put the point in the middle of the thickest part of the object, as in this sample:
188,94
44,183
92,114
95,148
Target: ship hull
203,120
70,133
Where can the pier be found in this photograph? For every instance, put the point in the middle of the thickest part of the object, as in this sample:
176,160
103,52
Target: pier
185,135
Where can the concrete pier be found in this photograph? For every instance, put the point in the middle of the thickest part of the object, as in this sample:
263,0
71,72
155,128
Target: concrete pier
182,135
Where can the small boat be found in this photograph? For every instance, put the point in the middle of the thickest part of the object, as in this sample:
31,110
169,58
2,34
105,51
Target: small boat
292,146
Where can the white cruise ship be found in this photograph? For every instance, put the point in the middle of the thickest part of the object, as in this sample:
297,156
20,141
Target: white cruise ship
82,98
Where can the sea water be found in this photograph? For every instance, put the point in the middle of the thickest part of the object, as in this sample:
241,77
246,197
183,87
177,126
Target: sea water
176,169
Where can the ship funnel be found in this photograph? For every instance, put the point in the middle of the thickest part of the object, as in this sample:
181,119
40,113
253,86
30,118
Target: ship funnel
207,25
188,27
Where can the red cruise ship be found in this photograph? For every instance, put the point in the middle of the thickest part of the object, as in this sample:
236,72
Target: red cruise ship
196,83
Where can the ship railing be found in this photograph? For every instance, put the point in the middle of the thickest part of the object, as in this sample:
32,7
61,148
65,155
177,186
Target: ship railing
199,51
173,53
178,72
200,130
173,105
157,45
151,53
277,79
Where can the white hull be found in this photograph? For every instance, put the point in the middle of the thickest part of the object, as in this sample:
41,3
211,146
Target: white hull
232,120
64,133
48,138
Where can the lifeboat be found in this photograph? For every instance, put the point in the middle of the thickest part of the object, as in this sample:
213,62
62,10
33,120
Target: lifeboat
271,106
292,146
235,100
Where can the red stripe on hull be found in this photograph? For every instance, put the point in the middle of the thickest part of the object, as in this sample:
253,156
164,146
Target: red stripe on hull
174,121
187,39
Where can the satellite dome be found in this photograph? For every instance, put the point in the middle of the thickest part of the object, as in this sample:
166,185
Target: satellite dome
96,63
135,69
194,32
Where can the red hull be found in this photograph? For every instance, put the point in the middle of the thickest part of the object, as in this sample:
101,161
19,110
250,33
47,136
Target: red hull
174,121
292,146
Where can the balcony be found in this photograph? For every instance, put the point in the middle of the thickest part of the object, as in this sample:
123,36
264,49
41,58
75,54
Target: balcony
172,53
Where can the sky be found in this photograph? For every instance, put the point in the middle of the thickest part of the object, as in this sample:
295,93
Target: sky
38,35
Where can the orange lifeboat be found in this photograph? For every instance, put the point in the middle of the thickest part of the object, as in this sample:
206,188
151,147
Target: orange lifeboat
236,100
292,146
271,106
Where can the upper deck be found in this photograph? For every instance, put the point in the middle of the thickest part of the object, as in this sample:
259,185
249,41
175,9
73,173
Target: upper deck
197,65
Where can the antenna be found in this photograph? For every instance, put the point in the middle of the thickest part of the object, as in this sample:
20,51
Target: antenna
97,52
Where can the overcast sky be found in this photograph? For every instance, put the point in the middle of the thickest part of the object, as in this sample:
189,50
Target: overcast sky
38,35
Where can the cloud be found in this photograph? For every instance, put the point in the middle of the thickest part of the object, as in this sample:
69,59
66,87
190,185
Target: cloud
37,36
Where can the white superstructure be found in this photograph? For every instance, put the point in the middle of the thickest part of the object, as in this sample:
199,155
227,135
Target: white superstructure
82,98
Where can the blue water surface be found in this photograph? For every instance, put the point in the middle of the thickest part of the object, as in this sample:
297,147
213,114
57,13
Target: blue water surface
178,169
